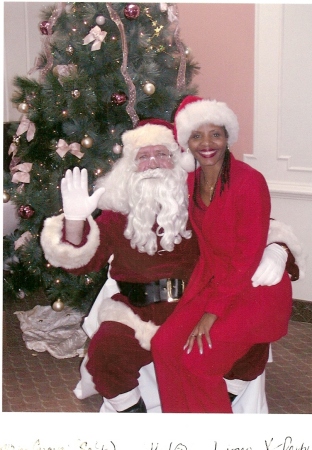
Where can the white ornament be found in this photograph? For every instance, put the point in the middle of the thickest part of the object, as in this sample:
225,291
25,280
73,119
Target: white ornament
117,149
100,20
149,89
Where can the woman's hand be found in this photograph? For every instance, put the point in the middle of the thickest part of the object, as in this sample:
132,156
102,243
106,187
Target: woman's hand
201,329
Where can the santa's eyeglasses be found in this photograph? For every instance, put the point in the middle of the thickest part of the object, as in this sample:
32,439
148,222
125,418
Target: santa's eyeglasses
146,161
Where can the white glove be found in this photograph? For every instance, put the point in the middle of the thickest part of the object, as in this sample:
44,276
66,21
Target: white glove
77,205
271,267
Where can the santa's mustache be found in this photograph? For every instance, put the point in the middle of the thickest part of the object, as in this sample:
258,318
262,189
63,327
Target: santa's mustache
151,173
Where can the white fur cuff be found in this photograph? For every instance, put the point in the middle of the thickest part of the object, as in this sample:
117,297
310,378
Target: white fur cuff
116,311
280,232
63,254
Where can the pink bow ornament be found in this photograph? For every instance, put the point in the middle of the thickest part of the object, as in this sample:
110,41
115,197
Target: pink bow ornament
26,125
23,239
65,71
21,173
74,148
96,35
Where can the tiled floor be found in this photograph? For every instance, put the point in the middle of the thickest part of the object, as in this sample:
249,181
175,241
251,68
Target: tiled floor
39,382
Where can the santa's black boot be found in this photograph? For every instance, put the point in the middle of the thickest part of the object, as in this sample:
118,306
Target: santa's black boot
137,408
232,397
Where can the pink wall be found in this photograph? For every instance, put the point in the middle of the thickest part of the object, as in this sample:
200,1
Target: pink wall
221,38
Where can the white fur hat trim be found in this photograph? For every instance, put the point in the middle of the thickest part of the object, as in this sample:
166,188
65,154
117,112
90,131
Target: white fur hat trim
197,113
149,134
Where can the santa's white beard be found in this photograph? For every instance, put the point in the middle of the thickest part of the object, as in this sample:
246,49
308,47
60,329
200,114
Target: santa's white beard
154,196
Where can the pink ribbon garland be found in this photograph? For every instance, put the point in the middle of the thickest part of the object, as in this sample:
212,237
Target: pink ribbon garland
21,173
96,35
47,43
173,17
63,148
23,239
131,87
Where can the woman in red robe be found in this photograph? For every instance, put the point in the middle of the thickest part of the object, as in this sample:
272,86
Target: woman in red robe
221,315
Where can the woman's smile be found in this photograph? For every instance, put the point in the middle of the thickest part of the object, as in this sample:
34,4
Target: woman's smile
208,153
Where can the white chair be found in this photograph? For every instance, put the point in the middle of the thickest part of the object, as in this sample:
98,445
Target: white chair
251,399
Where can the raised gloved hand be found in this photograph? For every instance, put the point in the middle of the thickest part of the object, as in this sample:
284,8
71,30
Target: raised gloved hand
77,204
271,267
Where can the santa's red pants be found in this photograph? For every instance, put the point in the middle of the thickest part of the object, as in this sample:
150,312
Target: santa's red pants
116,357
192,382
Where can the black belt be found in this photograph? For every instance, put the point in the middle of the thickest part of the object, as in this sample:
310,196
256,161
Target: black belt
163,290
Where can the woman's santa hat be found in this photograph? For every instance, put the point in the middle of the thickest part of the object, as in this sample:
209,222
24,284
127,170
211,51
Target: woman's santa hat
193,112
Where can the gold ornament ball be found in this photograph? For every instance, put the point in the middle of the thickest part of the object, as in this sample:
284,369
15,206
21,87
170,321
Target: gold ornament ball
55,71
23,107
87,142
64,113
149,89
97,172
75,93
6,197
188,52
58,305
70,50
88,281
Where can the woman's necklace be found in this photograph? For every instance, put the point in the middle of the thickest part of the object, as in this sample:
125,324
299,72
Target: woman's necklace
211,187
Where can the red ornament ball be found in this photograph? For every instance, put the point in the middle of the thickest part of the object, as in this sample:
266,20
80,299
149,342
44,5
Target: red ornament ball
26,211
119,98
44,27
132,11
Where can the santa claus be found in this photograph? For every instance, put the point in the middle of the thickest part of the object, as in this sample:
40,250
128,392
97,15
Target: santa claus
143,230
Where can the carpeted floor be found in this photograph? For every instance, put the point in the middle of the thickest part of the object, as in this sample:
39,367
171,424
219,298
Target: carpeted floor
38,382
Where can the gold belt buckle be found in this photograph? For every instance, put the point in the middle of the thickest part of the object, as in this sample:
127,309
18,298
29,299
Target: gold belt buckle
170,298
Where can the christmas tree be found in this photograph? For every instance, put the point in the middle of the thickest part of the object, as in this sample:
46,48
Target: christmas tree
103,67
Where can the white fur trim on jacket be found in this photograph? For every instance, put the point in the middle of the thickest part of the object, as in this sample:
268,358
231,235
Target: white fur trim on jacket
116,311
280,232
63,254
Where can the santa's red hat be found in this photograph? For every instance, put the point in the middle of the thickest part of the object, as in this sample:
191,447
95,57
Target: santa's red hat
149,132
193,112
